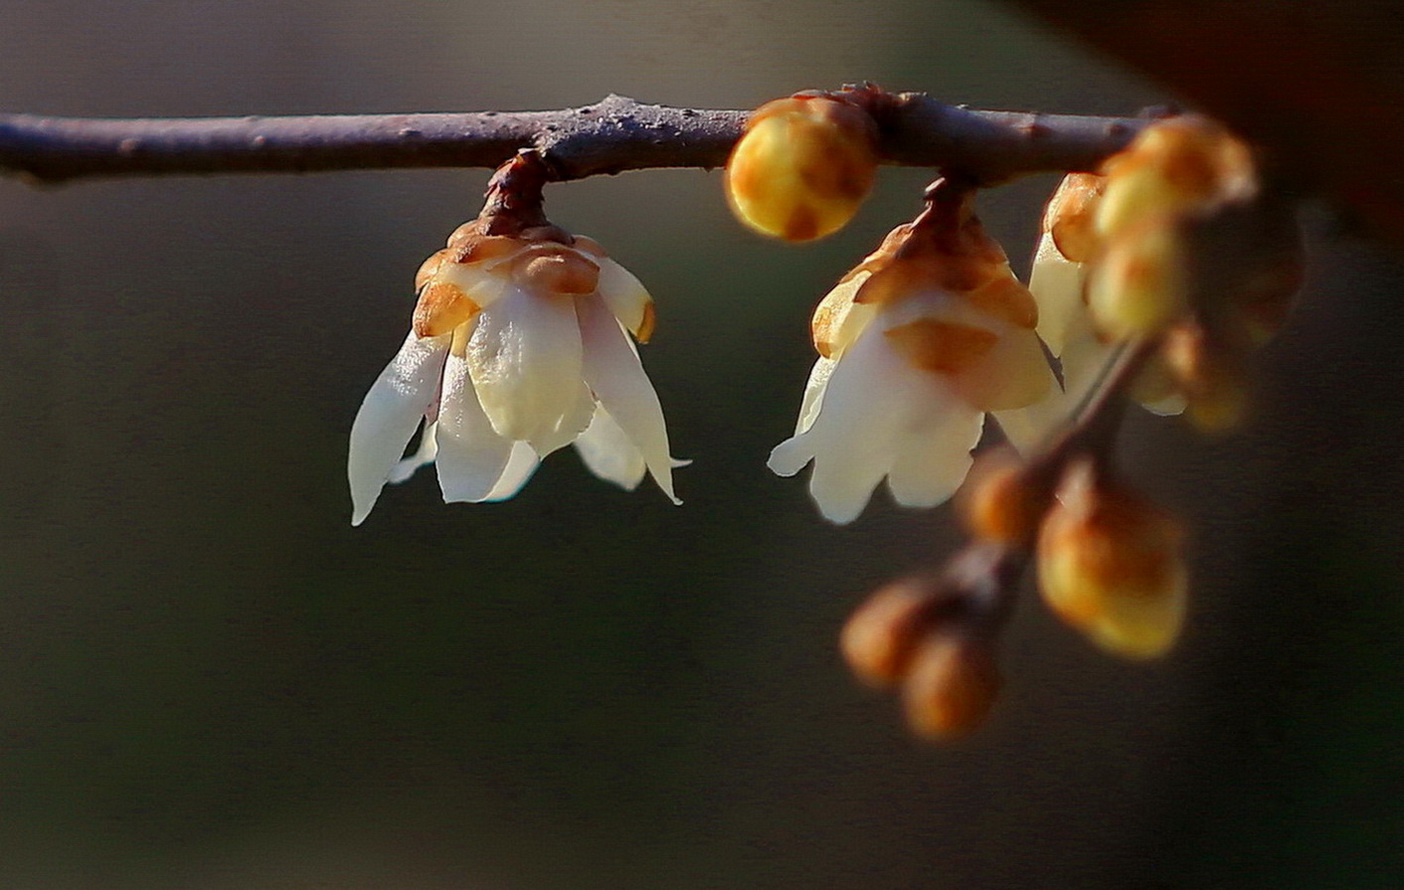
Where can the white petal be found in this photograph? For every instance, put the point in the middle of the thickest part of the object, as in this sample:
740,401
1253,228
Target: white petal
934,458
423,456
877,411
472,456
618,380
477,284
1056,285
1015,373
814,393
520,467
1084,356
609,453
624,294
389,415
525,360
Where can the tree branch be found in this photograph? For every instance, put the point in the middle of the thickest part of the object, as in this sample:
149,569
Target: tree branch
613,135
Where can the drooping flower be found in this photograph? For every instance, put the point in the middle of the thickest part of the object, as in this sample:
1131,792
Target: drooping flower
1173,239
1058,280
916,344
520,345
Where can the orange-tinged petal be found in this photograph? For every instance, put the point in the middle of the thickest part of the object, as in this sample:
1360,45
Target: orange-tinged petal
1005,298
941,347
441,308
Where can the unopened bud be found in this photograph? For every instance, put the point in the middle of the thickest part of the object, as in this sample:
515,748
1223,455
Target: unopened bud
1210,375
1139,286
951,685
803,167
1175,165
878,640
1109,564
999,503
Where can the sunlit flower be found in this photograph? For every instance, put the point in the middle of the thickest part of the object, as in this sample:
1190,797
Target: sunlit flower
1174,239
916,344
520,346
1058,283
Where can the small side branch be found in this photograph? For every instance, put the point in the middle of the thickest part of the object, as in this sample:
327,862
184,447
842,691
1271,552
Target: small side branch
611,136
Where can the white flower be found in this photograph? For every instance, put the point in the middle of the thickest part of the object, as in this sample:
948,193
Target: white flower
916,344
1058,283
520,346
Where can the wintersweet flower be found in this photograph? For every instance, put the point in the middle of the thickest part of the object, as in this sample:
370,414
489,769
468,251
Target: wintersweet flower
916,344
520,345
1058,280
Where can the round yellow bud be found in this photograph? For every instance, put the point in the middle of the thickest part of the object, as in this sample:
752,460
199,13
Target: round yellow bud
1139,287
1109,564
803,167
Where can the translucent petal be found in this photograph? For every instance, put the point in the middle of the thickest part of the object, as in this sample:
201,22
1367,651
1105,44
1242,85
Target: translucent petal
1056,285
877,411
520,467
423,456
625,296
482,287
472,456
524,356
609,453
389,415
814,393
934,457
613,371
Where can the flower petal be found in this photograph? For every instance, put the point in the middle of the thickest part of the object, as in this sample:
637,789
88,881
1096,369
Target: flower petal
524,356
614,373
423,456
933,459
609,453
388,417
626,297
877,411
1056,285
472,456
814,393
520,467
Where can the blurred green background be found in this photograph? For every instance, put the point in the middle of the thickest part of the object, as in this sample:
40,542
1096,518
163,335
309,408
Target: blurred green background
209,679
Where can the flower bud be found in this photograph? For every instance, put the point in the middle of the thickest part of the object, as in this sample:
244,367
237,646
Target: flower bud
952,683
1138,288
1174,166
999,503
1109,564
878,640
803,167
1209,374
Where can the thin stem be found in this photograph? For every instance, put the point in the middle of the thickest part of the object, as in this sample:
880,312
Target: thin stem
608,137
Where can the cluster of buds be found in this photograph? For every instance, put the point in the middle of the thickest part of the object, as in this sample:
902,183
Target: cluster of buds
1155,280
933,637
1175,239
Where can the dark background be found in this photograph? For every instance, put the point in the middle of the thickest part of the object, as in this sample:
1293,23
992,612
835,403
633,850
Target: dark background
209,679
